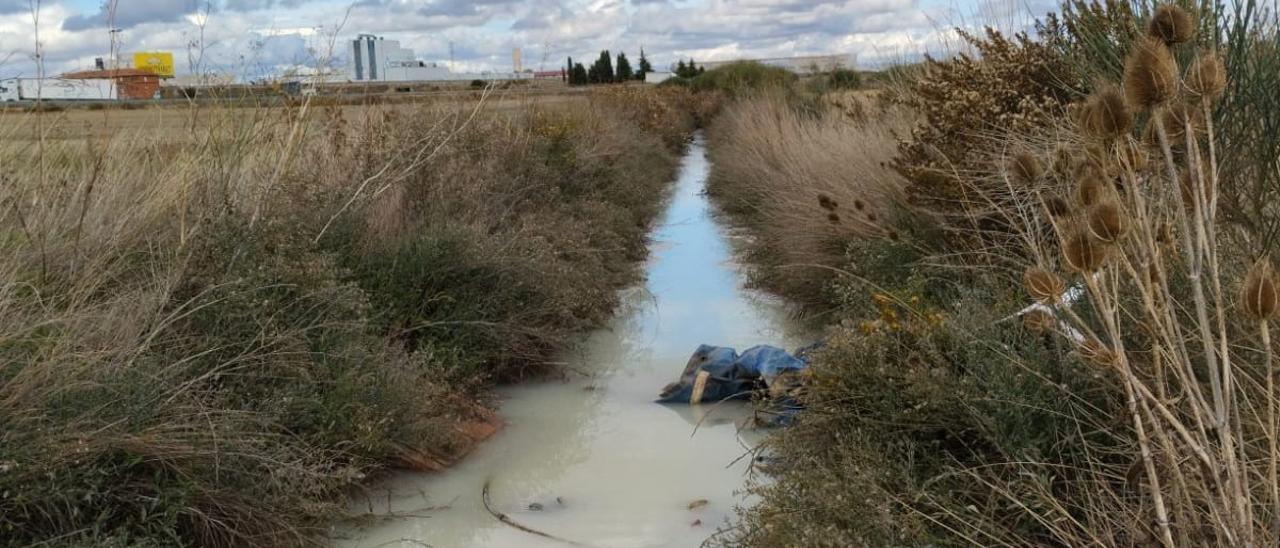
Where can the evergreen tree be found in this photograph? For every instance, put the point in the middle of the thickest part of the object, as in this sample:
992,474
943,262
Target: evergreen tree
624,68
645,67
579,75
681,70
693,69
602,71
568,72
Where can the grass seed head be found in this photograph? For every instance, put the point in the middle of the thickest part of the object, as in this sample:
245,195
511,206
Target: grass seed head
1171,24
1150,74
1258,295
1084,253
1207,78
1107,222
1043,286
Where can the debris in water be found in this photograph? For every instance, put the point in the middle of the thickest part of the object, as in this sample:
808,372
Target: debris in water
560,501
696,523
698,504
717,373
535,507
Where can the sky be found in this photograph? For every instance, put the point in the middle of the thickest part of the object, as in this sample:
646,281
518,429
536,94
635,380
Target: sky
256,38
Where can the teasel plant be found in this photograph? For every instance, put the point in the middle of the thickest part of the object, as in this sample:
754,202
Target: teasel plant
1132,229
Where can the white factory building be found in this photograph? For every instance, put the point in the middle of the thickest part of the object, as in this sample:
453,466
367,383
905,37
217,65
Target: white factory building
376,59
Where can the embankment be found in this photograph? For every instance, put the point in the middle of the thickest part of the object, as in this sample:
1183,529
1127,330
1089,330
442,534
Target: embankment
1135,404
209,332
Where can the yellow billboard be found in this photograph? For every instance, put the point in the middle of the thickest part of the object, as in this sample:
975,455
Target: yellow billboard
159,62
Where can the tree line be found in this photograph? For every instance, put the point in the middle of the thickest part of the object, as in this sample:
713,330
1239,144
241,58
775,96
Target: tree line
606,71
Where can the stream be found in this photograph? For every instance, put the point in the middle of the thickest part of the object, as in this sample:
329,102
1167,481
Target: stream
591,459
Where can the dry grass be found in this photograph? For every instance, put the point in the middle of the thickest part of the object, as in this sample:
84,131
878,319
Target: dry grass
808,184
210,330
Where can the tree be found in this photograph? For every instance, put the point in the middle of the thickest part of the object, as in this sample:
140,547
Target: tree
624,68
645,67
602,71
579,75
568,71
681,70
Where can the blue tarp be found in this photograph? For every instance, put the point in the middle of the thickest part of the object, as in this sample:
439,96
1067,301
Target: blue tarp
717,373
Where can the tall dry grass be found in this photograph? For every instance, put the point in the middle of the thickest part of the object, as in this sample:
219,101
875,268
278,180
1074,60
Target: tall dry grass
208,334
808,184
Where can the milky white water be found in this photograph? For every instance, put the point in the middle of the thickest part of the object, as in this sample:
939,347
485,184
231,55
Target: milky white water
609,467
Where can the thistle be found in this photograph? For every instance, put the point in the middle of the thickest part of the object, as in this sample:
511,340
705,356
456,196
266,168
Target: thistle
1207,78
1083,253
1150,74
1043,286
1039,322
1107,222
1258,294
1171,24
1105,115
1092,350
1090,189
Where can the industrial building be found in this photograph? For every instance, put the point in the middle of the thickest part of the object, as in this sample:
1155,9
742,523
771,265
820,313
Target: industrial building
376,59
804,65
130,83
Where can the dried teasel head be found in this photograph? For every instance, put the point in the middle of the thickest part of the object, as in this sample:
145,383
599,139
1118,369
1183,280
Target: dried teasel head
1025,168
1043,286
1171,24
1090,189
1057,207
1177,117
1207,77
834,218
1258,294
1134,156
1107,222
1092,351
1150,74
1084,253
1039,321
1105,115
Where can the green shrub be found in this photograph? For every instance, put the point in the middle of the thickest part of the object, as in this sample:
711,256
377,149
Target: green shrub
744,78
921,422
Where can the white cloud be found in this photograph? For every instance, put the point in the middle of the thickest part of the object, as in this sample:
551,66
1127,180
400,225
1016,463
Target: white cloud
255,36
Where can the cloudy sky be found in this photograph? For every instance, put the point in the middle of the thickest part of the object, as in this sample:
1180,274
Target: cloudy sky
254,38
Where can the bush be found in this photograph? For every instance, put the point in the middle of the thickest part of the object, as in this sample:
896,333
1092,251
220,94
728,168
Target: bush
744,78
